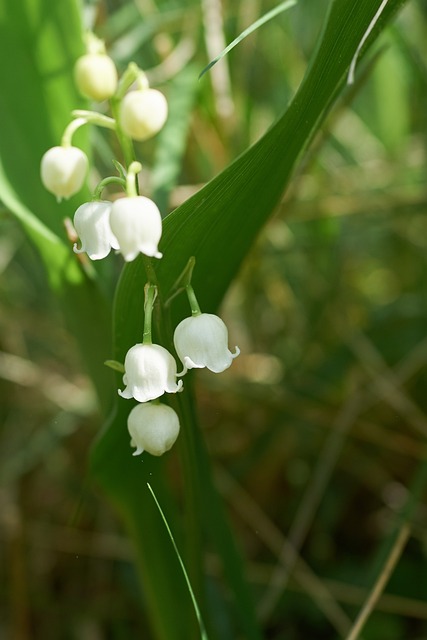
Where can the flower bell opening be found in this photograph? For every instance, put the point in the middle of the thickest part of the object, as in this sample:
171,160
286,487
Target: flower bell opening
137,224
202,341
150,371
92,223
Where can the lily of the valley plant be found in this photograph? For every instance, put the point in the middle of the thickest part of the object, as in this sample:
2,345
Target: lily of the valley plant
132,225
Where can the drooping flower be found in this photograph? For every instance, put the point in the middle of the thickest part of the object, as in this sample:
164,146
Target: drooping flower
143,113
153,428
63,170
202,341
92,223
137,224
95,76
150,371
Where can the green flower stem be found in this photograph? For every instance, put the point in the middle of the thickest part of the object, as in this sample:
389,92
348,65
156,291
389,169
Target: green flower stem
195,309
124,141
182,281
82,117
127,80
129,156
94,44
92,117
131,181
104,183
120,169
115,365
142,81
150,292
132,74
70,131
188,271
150,271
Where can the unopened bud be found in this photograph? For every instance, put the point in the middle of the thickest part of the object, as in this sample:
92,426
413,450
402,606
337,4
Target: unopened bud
153,428
63,170
143,113
95,76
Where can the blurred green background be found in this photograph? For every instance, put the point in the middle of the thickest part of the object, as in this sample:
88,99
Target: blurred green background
316,430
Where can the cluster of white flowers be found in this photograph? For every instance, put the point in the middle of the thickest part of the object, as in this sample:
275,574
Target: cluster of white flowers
132,225
150,371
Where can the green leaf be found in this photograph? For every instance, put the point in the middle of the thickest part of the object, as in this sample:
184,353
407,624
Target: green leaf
125,479
41,41
218,226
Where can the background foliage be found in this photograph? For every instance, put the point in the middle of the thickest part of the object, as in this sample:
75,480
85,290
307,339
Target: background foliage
316,431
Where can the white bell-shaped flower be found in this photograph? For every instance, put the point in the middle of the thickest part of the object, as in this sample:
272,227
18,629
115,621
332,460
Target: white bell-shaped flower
143,113
137,224
153,428
202,341
150,371
92,223
95,76
63,170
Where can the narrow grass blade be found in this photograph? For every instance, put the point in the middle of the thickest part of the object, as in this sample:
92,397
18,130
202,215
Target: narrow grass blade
351,71
381,582
203,633
392,547
253,27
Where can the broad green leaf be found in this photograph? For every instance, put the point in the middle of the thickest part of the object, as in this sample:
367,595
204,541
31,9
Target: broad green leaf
40,42
165,592
218,226
43,40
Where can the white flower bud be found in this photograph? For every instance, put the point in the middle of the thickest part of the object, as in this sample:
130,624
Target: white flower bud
63,170
95,76
153,428
137,224
92,223
150,371
143,113
202,341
